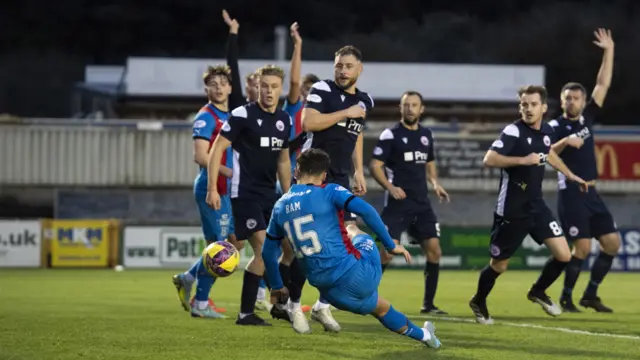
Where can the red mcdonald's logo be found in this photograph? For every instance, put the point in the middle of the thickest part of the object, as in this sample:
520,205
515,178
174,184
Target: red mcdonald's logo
607,152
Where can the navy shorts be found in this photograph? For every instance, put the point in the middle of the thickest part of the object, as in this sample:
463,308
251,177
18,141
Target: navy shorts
407,215
357,290
344,182
217,225
507,234
584,215
250,216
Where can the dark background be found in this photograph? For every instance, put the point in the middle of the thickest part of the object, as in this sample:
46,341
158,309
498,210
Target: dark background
44,45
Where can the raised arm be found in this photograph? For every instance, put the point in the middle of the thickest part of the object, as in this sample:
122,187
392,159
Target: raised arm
604,40
236,98
296,60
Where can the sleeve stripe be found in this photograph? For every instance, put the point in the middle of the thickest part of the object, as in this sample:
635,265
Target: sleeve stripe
346,203
275,238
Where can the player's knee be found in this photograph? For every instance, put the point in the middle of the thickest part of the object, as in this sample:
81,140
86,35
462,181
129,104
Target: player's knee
234,241
562,255
581,248
610,243
434,254
499,265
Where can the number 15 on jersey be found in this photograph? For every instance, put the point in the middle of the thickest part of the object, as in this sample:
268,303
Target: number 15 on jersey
302,237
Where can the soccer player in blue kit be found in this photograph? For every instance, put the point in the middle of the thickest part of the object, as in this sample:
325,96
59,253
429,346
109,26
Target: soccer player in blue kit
217,225
259,135
344,265
584,215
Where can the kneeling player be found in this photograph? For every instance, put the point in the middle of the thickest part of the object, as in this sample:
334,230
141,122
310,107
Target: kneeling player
522,151
404,150
343,265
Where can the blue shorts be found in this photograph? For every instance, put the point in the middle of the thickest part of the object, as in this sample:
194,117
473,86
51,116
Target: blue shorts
217,225
357,290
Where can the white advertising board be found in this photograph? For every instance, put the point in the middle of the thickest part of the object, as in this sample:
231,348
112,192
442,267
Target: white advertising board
168,247
20,243
384,81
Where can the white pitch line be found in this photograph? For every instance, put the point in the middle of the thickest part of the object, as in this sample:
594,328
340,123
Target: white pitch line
532,326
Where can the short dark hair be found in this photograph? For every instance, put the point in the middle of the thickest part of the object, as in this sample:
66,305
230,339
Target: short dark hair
349,50
222,70
573,86
310,79
313,162
413,93
534,89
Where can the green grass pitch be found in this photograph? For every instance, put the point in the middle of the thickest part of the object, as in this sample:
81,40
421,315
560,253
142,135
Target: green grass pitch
103,314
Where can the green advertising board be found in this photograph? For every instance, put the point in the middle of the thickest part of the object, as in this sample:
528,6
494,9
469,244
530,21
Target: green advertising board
468,248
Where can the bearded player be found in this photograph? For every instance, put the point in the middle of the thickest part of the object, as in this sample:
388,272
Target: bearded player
333,118
406,153
584,215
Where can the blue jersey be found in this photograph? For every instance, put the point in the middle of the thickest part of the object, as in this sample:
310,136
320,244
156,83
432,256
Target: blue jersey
311,217
206,126
295,111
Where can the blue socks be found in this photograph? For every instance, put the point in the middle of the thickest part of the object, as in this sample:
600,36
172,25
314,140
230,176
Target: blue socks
205,281
394,321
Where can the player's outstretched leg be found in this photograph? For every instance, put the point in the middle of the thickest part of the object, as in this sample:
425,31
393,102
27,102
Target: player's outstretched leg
201,307
399,323
561,255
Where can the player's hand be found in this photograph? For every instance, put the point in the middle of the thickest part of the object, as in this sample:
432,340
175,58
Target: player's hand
397,193
356,112
400,250
603,40
295,35
443,195
280,296
584,187
231,23
213,199
531,159
575,142
359,184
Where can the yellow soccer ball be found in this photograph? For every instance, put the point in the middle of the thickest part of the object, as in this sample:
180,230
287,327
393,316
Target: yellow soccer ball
221,258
